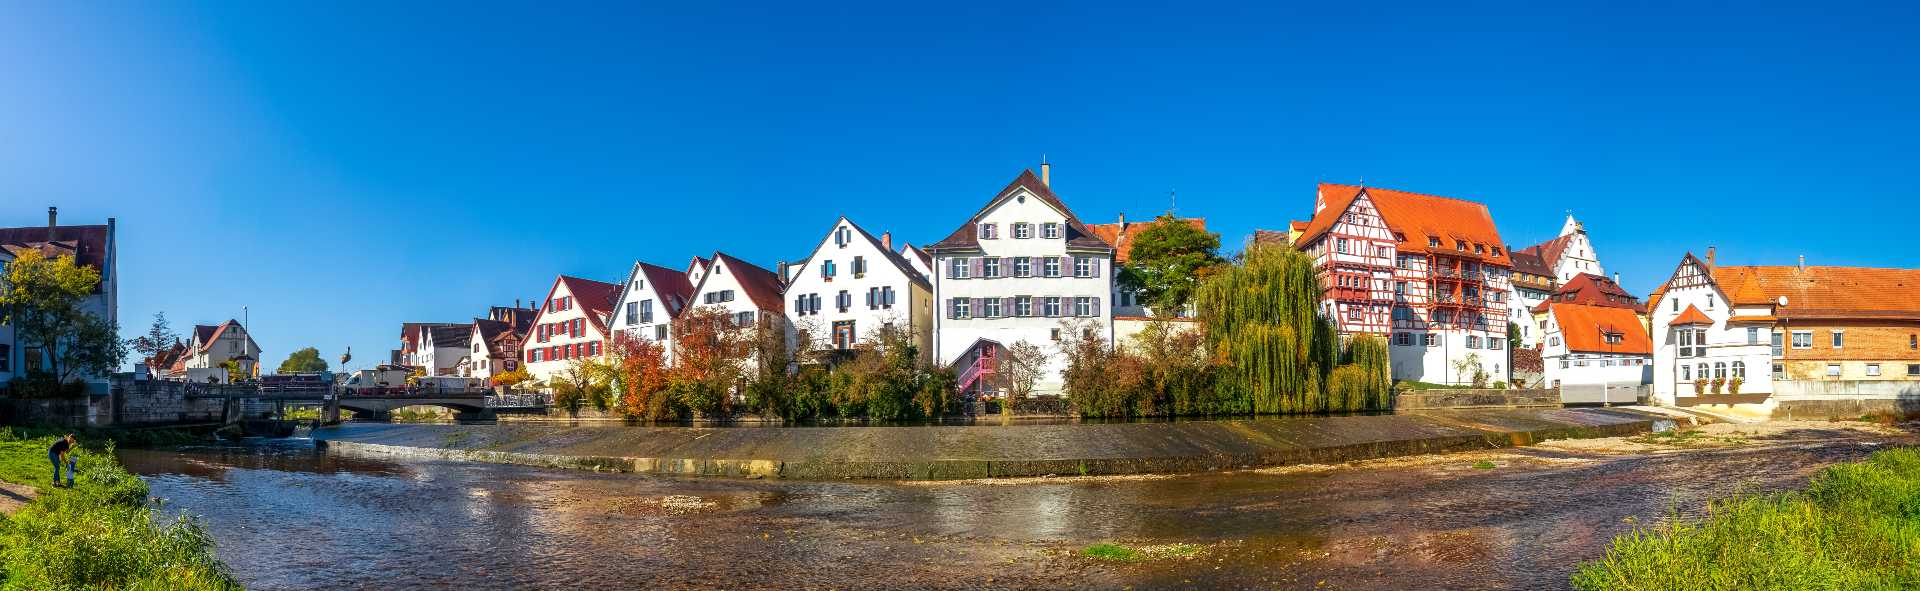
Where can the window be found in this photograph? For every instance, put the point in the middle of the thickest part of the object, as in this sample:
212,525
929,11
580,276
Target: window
1613,338
1780,371
990,308
1353,313
1083,306
842,236
639,284
1776,343
1803,339
1753,335
1740,369
1049,230
1833,370
859,266
1709,301
1839,339
1553,341
1022,230
886,297
960,308
959,268
1083,267
1430,339
1022,266
827,270
1913,341
1473,341
990,267
1050,267
1913,369
1050,307
660,332
1023,306
1686,372
1720,370
989,232
1400,288
1873,369
1433,242
843,335
1340,245
1402,339
646,311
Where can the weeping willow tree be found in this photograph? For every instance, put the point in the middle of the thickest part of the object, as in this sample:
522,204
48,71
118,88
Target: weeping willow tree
1365,382
1273,351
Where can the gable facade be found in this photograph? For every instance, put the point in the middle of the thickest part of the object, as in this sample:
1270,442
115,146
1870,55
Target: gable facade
1709,345
853,283
650,299
571,325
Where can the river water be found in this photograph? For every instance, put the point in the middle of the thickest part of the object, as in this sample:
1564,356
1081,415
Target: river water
288,516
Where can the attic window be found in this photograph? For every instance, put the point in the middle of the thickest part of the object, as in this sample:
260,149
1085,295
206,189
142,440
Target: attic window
1460,245
1479,248
1613,338
1496,251
1433,242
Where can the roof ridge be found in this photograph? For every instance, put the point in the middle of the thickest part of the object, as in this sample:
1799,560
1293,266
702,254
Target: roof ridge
1415,193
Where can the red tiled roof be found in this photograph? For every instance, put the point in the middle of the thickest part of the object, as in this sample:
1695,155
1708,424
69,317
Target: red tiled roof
1120,234
1816,291
206,335
88,244
1416,218
1271,237
671,286
1551,250
1584,329
595,297
1528,261
967,236
1593,290
1691,315
761,285
911,250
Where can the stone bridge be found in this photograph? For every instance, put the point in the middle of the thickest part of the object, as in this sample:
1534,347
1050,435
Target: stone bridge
466,407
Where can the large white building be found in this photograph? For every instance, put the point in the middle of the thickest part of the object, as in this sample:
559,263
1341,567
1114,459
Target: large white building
1428,273
572,325
1021,269
853,283
94,246
1542,269
649,300
747,293
211,346
1699,333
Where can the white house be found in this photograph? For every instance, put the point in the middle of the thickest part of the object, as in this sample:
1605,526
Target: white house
748,294
921,262
442,347
211,346
1700,334
1595,345
572,324
94,246
1570,253
1021,269
494,346
649,301
853,283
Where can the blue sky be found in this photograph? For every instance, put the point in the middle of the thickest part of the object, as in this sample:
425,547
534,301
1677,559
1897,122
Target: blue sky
342,168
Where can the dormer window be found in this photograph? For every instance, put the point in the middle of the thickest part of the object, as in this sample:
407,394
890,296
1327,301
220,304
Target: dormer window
1613,338
1049,230
1433,242
989,231
1496,251
1479,248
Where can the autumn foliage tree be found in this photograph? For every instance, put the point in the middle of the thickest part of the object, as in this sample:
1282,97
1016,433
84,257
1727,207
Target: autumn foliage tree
710,355
641,378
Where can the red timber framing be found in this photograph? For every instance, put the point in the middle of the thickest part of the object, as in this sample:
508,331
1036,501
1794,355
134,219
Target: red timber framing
1467,292
1356,259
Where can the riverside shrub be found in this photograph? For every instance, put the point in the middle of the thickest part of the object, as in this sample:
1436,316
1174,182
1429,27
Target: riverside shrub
1856,526
100,535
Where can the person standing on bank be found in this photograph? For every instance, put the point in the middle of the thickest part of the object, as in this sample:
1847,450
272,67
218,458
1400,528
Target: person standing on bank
62,453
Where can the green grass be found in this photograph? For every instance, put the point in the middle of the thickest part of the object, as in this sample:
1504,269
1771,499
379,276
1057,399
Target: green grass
1483,465
1856,526
1114,552
101,534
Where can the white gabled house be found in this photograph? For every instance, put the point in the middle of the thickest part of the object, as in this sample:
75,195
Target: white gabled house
1021,269
853,283
649,301
212,345
748,293
572,324
921,262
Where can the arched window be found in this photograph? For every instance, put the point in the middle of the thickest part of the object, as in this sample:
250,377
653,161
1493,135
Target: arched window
1740,369
1700,371
1720,370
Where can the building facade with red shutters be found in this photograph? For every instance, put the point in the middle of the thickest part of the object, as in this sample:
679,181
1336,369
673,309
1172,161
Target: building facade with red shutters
572,325
1425,272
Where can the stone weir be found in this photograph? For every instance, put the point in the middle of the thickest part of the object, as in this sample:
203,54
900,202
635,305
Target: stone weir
982,451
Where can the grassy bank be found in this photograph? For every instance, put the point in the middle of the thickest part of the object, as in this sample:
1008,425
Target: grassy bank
100,534
1856,526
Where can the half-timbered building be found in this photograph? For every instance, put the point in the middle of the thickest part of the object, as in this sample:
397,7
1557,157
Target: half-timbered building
1426,272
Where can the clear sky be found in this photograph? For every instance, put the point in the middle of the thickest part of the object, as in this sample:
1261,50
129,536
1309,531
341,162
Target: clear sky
342,168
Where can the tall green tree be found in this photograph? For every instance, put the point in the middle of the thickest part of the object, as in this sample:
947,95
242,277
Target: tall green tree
44,299
1263,325
1168,260
304,361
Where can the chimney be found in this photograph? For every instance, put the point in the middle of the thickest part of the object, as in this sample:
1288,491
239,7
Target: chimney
1123,221
53,218
516,303
1709,256
886,241
1046,172
1616,277
1803,262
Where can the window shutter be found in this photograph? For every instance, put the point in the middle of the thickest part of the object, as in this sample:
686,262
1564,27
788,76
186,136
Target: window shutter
1066,266
950,309
978,264
1096,267
1096,307
978,308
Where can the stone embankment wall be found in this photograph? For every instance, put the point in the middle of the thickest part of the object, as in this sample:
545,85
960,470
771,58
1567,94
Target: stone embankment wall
154,402
1814,399
1489,398
980,451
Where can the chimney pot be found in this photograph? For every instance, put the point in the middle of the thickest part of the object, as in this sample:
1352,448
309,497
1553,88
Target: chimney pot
1616,277
1709,256
53,218
1803,262
1123,220
886,241
1046,173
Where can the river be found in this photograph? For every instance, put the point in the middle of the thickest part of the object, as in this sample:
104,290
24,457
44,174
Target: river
288,516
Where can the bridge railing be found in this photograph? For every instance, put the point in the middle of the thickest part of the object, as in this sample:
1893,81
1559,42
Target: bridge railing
535,400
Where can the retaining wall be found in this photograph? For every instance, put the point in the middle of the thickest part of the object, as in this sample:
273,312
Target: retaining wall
955,452
1489,398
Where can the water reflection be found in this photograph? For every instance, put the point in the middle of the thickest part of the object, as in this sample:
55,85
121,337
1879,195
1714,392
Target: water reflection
288,516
